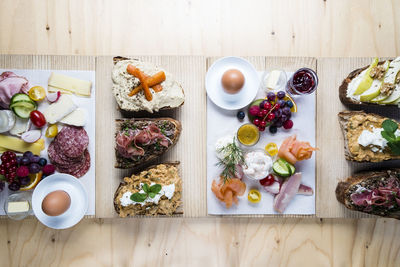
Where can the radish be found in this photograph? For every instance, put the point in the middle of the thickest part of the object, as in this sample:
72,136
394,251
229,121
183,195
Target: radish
53,97
31,136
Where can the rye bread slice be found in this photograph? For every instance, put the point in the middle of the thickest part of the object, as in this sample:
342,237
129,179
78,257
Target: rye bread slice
118,59
150,152
178,211
344,117
351,102
368,178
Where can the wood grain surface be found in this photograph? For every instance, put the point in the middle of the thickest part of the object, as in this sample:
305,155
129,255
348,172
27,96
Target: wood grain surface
313,28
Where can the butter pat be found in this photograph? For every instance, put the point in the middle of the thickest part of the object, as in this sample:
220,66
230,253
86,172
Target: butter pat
58,110
76,117
18,206
70,84
272,79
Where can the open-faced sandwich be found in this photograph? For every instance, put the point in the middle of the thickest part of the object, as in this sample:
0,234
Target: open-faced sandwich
374,192
378,83
154,191
138,141
369,137
142,86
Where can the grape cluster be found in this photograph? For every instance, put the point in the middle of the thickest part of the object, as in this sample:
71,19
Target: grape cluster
16,169
273,112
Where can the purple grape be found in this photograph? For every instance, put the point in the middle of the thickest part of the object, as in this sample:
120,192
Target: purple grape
19,158
278,123
2,185
25,161
283,118
35,159
24,180
28,154
281,103
271,96
278,113
262,104
14,186
34,168
281,94
286,110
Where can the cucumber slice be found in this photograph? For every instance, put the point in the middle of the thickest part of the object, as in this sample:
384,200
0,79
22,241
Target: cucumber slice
283,168
26,104
22,112
19,97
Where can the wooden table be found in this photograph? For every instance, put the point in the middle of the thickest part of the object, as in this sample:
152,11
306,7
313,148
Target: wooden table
213,28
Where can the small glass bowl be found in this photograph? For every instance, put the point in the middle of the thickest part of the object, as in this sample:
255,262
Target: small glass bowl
20,196
280,84
257,138
254,177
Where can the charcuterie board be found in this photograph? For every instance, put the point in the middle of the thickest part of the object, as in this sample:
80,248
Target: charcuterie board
191,148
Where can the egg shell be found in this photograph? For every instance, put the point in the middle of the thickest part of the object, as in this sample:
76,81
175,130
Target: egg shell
232,81
56,203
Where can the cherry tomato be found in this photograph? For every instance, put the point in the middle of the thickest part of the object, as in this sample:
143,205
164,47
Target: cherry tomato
267,181
272,149
52,131
37,93
38,118
254,196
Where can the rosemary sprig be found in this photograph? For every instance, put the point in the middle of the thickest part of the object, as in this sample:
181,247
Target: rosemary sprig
233,156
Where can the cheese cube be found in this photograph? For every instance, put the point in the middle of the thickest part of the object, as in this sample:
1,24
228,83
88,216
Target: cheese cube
58,110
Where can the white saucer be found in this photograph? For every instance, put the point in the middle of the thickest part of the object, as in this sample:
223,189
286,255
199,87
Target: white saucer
214,87
75,189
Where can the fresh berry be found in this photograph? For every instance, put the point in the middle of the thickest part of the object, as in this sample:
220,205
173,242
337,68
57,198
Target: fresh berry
278,123
278,113
273,129
48,169
261,128
267,181
19,160
42,161
267,106
25,161
264,112
280,94
14,186
24,180
289,103
282,103
271,96
240,115
13,162
28,154
261,105
35,159
277,106
263,124
271,116
288,124
22,171
260,114
286,110
12,175
254,110
284,118
34,168
256,122
8,165
4,157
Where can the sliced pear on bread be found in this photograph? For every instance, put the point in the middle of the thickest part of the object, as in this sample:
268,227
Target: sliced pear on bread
366,81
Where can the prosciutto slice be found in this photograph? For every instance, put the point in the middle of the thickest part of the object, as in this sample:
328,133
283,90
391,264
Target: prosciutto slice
11,84
289,189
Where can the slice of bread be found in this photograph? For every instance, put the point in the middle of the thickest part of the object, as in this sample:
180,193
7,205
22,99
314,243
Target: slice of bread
368,180
172,96
352,102
344,118
163,174
169,127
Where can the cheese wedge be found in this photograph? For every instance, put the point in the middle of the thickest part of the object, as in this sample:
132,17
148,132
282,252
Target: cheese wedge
52,89
58,110
18,206
66,83
18,145
76,117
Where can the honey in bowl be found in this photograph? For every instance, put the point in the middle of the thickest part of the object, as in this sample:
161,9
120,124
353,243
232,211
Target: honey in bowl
248,134
232,81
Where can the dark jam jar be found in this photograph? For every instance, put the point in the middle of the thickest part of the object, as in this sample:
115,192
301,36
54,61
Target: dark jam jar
303,81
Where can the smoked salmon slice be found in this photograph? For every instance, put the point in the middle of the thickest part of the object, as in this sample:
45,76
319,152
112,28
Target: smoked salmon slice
293,150
229,191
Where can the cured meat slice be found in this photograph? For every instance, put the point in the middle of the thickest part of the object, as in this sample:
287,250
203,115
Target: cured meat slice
79,169
72,141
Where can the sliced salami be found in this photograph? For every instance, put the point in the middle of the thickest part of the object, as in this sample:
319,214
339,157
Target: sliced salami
72,141
79,169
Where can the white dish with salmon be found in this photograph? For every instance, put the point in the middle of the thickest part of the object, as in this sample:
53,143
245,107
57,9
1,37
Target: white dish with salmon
47,126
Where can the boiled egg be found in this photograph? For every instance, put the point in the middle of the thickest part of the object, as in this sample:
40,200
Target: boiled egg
56,203
232,81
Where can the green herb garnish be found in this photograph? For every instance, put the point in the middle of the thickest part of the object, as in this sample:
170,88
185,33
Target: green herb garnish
149,191
233,156
389,128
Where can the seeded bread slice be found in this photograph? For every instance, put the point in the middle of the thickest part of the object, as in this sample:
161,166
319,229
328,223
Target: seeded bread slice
344,118
152,152
365,179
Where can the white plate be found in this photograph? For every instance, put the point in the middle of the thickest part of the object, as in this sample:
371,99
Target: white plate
75,189
214,87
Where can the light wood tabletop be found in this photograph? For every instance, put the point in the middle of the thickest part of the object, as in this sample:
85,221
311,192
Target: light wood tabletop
316,28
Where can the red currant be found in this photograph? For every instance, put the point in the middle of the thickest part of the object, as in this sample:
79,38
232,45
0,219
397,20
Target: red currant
267,105
12,155
277,106
8,164
12,175
13,162
256,122
263,124
259,114
271,116
261,128
264,112
267,181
